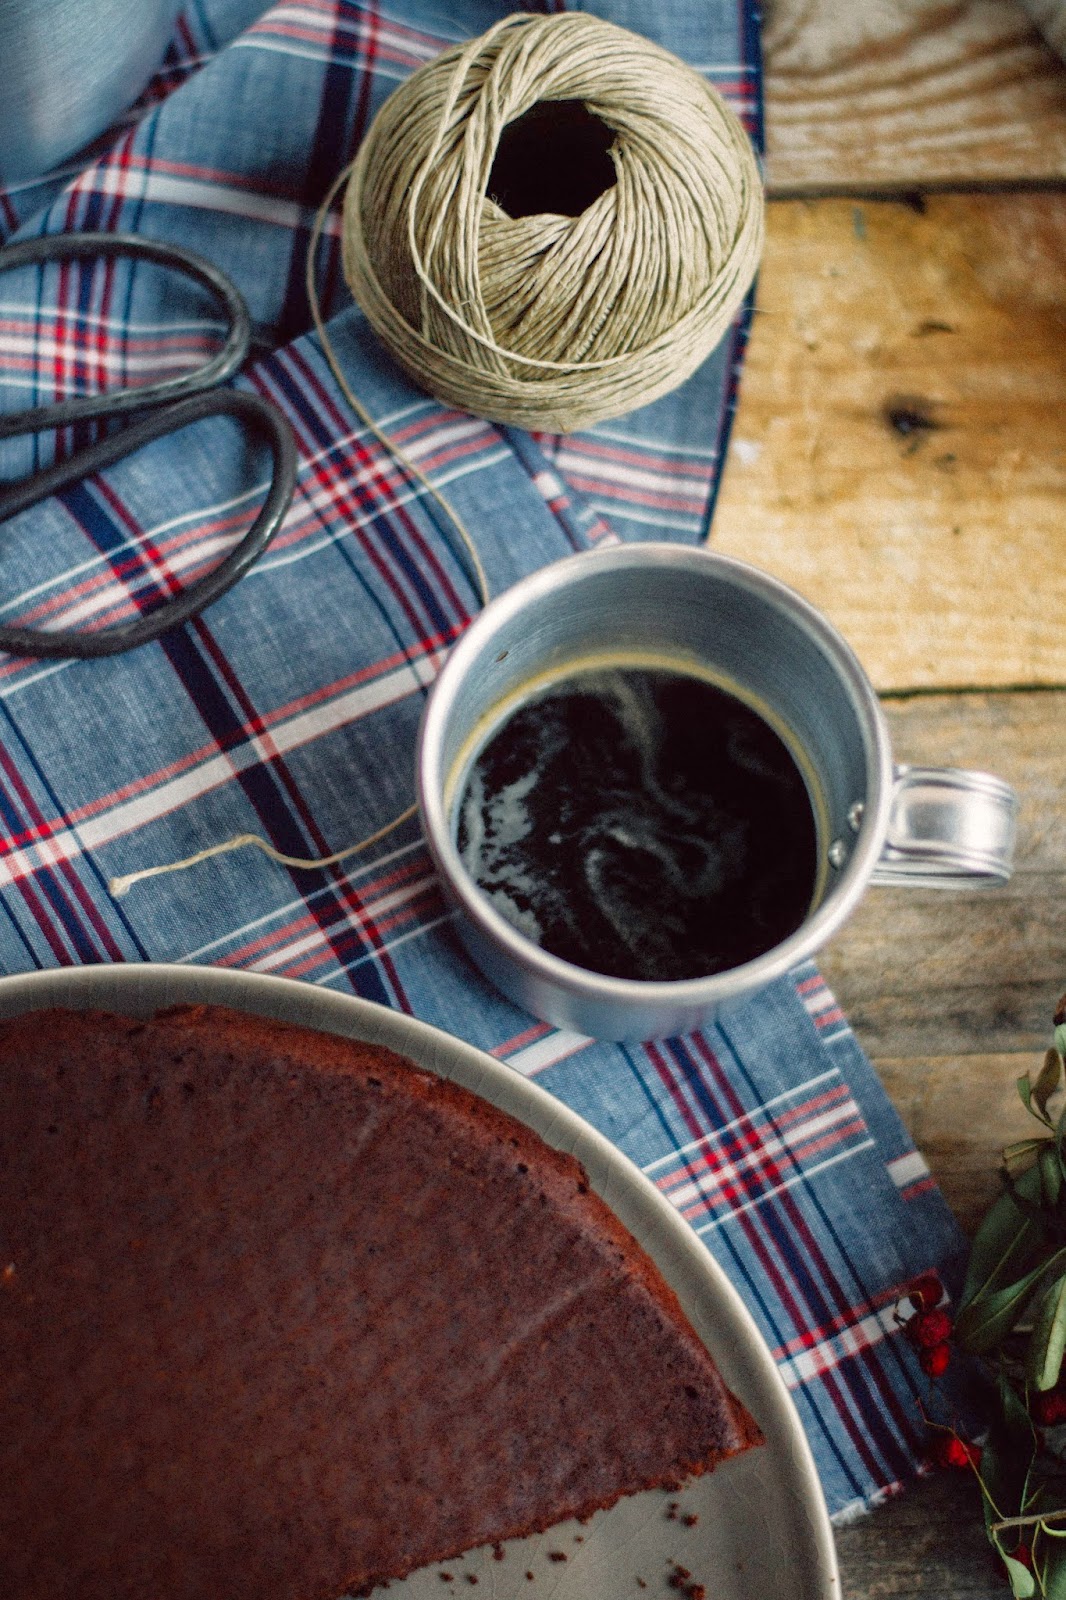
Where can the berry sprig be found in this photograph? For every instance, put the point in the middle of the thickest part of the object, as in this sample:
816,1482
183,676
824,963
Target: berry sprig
1012,1317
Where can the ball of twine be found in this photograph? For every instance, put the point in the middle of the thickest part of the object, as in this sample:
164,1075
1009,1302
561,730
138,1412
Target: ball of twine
553,321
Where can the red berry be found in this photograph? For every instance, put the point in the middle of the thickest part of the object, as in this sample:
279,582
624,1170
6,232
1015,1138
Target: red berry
935,1360
926,1291
948,1450
1048,1408
929,1328
1023,1554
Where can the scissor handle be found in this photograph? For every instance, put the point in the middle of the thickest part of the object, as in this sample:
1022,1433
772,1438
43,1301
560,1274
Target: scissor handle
119,402
252,408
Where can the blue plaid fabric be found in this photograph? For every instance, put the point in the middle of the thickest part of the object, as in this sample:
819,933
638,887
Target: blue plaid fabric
290,707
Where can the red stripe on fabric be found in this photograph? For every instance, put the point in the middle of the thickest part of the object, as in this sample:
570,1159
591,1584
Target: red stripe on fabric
539,1030
376,932
265,943
775,1272
823,1019
692,1164
62,873
628,492
203,753
8,214
219,176
739,1188
812,1337
409,59
377,470
646,460
804,1235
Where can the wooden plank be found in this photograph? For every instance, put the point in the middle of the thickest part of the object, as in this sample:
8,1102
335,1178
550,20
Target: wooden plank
960,1111
928,1543
927,973
899,452
909,93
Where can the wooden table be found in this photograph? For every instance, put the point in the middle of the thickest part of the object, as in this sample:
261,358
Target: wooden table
899,455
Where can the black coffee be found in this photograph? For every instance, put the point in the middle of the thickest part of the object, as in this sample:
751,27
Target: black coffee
642,823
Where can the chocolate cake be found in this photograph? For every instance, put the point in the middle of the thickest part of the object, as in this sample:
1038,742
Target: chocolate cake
283,1316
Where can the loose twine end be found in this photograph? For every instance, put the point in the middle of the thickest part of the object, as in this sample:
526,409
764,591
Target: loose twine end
121,885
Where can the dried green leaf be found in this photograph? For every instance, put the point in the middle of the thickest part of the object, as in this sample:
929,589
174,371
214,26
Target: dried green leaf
1017,1423
1054,1573
1047,1081
1020,1156
1006,1244
1022,1581
989,1317
1048,1338
1050,1173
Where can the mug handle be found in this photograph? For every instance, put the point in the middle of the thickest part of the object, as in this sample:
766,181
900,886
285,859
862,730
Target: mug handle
948,828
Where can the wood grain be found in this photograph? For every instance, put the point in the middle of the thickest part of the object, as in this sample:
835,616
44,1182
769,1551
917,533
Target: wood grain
961,1110
927,1544
925,974
952,995
899,452
909,93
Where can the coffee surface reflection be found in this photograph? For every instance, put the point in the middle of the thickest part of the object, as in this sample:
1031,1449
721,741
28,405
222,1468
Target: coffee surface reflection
641,822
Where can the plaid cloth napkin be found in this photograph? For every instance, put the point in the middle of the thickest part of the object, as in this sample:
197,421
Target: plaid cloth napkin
290,707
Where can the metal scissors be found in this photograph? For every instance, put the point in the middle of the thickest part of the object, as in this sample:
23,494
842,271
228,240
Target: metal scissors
171,404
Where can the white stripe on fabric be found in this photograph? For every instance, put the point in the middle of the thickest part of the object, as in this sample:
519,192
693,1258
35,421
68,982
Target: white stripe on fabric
788,1183
97,319
318,938
219,769
635,442
297,905
907,1169
639,477
830,1352
204,195
745,1116
386,948
270,44
700,1188
647,518
543,1053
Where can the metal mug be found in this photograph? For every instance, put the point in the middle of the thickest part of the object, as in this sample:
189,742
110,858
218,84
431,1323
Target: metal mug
695,609
67,69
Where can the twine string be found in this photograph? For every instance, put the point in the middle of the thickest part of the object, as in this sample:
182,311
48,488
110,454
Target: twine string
545,321
121,885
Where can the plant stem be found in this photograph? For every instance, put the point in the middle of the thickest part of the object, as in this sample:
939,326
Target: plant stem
1026,1522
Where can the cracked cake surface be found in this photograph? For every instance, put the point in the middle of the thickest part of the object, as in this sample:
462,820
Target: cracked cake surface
285,1315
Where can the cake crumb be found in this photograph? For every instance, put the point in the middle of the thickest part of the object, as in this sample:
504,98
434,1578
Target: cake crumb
641,1584
681,1580
471,1577
579,1538
556,1555
529,1575
690,1519
671,1511
445,1577
497,1552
